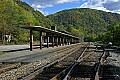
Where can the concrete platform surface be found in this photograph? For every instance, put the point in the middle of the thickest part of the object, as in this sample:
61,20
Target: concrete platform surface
13,47
24,55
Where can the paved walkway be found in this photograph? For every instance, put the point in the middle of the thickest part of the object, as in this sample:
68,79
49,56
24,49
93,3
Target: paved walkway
13,47
21,53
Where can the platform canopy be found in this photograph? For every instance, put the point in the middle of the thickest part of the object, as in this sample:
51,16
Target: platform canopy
46,30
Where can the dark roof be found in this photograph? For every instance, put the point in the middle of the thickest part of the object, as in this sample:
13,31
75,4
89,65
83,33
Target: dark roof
39,28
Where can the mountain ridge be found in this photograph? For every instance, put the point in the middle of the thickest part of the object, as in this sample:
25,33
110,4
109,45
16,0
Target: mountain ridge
90,21
79,22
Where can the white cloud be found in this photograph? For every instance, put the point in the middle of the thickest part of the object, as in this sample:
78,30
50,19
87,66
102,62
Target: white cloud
112,0
48,3
64,1
37,6
41,6
43,12
105,5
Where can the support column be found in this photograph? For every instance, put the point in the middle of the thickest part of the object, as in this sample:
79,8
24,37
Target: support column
31,41
52,40
74,41
60,40
47,41
40,39
71,40
63,41
78,41
68,41
57,41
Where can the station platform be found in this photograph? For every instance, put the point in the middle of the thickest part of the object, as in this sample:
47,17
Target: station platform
17,51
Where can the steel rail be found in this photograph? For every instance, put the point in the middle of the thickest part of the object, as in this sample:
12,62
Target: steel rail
97,68
67,77
68,70
32,75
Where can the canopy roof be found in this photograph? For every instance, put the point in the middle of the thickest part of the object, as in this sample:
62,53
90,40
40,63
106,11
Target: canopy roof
46,30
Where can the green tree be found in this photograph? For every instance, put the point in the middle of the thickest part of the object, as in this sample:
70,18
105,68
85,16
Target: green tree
114,33
14,14
77,33
60,28
69,27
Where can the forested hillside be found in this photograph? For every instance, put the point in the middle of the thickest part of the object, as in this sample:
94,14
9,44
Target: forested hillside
13,14
88,24
89,21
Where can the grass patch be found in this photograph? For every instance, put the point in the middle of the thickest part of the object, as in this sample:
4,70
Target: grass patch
2,53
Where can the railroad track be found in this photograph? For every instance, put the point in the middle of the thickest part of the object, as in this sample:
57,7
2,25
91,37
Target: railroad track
57,69
88,66
110,69
7,66
107,73
21,71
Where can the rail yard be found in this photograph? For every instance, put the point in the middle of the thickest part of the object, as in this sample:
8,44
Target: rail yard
81,61
59,39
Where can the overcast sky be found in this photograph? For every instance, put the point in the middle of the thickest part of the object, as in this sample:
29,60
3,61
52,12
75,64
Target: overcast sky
52,6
